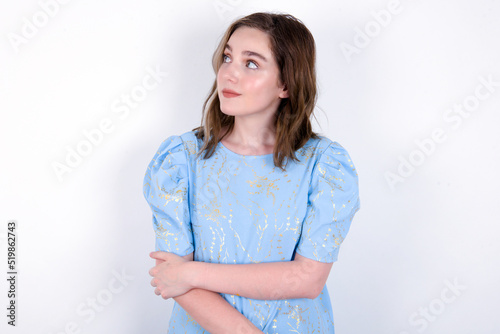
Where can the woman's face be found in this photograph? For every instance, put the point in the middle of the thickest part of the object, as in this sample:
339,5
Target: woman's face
246,73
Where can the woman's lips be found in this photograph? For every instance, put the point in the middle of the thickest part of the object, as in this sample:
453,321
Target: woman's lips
229,94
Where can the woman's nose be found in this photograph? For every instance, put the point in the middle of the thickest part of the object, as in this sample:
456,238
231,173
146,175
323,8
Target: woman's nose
230,72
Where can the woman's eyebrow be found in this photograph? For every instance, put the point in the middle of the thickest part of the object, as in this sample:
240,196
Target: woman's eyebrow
248,53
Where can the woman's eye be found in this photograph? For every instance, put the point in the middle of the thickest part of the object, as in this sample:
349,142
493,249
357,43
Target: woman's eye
251,61
255,66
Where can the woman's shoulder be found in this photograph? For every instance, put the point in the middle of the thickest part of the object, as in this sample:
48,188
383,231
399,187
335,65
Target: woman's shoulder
321,144
327,144
325,149
188,136
182,142
171,151
190,142
168,167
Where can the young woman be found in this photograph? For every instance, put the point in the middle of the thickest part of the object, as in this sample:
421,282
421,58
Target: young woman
250,208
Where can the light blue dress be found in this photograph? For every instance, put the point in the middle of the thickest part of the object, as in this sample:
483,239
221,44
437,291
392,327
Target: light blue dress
234,208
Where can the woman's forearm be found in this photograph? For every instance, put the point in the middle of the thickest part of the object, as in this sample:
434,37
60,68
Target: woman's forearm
265,281
214,313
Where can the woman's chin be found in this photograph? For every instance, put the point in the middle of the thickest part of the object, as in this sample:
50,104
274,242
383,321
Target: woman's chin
228,112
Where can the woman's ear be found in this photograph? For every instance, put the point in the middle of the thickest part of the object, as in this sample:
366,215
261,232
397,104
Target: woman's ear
284,92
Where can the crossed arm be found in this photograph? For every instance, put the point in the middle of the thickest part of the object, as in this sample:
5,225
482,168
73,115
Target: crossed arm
195,284
301,278
213,312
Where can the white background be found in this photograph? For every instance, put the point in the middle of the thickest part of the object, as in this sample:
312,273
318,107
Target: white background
436,225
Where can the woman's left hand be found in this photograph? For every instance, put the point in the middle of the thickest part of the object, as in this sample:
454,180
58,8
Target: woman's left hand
169,275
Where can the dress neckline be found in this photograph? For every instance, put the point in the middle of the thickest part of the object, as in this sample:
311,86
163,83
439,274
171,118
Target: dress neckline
241,155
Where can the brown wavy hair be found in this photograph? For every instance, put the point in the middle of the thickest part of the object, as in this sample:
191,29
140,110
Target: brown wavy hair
293,48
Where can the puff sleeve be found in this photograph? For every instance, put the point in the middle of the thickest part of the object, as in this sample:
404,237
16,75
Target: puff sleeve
166,185
333,199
